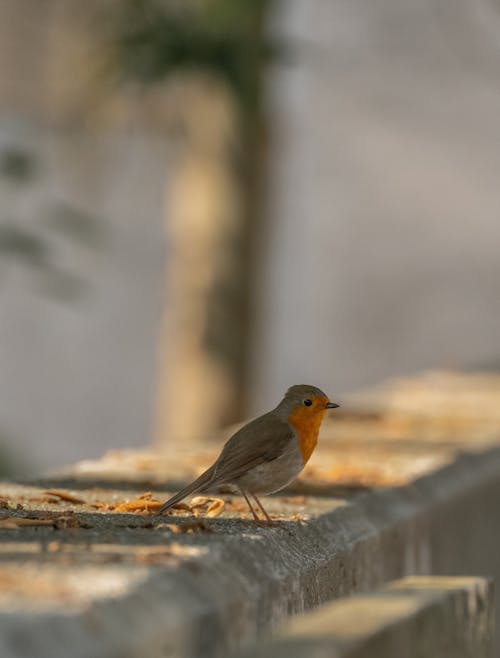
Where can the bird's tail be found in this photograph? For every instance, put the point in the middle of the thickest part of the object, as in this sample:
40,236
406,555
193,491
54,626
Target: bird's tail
199,484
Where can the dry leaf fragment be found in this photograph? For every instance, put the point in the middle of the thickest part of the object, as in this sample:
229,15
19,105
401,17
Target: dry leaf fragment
138,505
15,522
44,499
182,506
104,505
64,495
214,506
199,501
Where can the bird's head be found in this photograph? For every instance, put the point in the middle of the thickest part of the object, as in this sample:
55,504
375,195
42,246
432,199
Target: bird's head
306,401
304,407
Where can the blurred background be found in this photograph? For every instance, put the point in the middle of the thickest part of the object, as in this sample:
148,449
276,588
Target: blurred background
203,202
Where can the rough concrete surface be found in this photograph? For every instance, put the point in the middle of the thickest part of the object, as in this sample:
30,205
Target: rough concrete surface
416,617
84,573
219,585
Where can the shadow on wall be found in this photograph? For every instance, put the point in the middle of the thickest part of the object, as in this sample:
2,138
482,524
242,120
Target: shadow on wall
35,243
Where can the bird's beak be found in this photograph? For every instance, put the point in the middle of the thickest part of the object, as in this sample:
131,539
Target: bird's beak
332,405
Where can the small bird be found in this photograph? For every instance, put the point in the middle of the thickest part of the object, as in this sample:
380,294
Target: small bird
269,452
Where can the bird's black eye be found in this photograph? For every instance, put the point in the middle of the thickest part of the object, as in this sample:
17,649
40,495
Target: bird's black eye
308,402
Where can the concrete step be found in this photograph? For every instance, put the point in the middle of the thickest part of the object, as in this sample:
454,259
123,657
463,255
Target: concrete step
416,617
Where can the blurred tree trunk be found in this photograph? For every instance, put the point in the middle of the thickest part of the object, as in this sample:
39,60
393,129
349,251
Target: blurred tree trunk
198,377
210,53
212,209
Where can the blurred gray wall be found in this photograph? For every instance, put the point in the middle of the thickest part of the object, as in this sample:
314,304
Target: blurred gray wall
384,249
77,373
381,254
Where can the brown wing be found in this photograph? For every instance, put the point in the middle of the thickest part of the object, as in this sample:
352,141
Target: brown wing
262,440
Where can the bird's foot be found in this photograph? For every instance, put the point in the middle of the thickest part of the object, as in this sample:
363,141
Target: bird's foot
267,523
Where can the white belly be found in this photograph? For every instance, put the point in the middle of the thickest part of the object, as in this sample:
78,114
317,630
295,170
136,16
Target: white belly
275,475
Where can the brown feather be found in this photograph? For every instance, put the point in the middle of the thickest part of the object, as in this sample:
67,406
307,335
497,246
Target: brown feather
262,440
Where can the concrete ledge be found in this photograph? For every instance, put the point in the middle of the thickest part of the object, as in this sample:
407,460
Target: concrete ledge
81,579
417,617
208,592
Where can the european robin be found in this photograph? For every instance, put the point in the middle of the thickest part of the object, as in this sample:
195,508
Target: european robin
269,452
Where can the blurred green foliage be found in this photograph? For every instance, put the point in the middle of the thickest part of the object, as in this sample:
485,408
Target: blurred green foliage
152,39
17,164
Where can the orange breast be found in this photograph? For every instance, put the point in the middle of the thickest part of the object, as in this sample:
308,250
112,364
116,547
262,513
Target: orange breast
307,422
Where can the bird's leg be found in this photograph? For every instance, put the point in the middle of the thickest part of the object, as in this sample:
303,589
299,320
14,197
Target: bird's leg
256,518
266,515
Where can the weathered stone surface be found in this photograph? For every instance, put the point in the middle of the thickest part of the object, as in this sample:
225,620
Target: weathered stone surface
80,577
211,590
416,617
